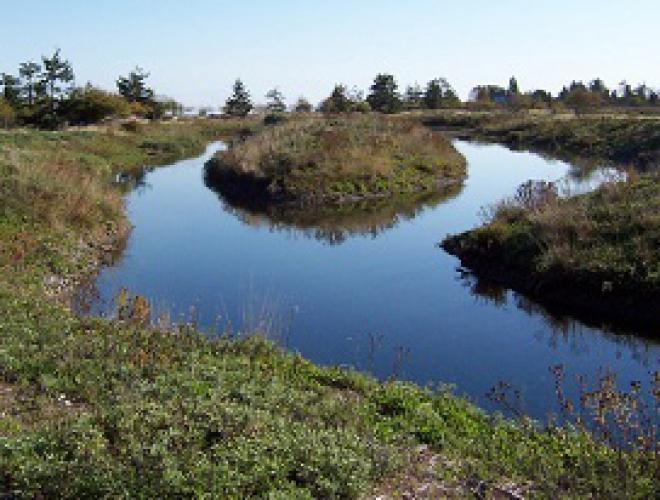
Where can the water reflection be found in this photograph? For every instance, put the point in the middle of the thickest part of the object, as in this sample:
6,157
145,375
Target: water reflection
332,225
563,329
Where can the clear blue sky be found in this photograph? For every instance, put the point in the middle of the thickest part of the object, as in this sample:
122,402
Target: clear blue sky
194,49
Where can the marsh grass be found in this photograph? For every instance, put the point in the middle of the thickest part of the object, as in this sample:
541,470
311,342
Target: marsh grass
628,140
338,159
601,244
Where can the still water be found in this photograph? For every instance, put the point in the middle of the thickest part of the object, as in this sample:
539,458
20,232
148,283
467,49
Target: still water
365,286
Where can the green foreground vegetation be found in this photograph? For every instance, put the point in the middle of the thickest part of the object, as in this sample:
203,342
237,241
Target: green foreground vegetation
628,140
339,159
596,251
94,408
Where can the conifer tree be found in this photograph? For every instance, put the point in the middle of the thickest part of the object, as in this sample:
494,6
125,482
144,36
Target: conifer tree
239,103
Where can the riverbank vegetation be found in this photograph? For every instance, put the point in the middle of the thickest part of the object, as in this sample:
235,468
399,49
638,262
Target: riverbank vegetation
629,141
595,252
140,407
338,159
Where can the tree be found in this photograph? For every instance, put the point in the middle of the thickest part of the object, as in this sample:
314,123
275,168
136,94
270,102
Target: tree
302,106
384,96
275,101
55,76
597,85
10,90
433,94
239,103
541,98
338,101
134,88
439,94
29,72
653,97
513,86
7,113
413,97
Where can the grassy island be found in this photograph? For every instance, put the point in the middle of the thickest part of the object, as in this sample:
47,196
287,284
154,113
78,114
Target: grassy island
338,159
91,408
595,252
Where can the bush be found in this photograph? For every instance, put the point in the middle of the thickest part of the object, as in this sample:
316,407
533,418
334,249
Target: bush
7,114
91,105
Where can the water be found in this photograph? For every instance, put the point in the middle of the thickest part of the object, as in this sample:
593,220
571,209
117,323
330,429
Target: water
366,287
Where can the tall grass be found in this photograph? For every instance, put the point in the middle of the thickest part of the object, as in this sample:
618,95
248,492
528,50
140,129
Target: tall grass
340,159
598,248
618,139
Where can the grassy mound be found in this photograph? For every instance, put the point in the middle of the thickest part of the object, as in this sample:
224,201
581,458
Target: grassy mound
339,159
598,250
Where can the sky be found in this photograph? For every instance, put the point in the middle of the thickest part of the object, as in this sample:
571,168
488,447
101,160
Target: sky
195,49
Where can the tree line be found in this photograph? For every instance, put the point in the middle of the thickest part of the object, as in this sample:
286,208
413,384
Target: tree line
384,96
43,94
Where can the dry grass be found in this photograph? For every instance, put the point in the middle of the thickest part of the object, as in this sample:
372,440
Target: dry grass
337,159
633,140
598,250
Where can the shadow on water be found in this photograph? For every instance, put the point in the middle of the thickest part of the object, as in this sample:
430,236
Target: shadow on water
331,224
563,325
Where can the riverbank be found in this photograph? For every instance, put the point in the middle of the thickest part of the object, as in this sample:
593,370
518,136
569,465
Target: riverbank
623,140
594,253
337,160
135,408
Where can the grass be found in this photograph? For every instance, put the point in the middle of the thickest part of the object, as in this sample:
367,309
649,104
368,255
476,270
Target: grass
97,408
622,140
318,160
597,251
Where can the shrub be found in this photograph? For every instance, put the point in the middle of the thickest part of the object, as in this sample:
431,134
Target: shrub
91,105
7,113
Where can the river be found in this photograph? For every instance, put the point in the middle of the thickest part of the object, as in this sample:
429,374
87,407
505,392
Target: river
367,286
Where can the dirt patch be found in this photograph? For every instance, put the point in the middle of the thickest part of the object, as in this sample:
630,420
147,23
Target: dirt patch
25,410
427,477
421,479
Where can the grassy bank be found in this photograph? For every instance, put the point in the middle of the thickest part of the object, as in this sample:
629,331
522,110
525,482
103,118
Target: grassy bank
596,252
339,159
92,408
619,139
